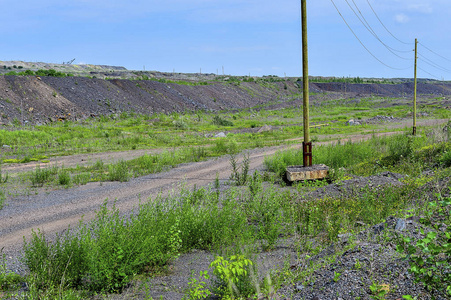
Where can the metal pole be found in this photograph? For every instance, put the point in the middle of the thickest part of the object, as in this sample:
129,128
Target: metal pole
415,93
307,145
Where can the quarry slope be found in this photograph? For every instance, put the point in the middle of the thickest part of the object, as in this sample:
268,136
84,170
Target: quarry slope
35,100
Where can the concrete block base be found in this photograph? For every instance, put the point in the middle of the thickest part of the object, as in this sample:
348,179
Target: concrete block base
315,172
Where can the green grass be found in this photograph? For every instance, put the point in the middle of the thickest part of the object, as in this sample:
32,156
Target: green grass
104,256
364,158
131,131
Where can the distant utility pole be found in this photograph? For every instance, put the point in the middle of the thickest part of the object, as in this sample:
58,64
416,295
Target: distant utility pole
222,70
306,144
415,92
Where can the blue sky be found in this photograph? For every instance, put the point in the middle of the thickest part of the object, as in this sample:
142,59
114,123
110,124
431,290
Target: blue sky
243,36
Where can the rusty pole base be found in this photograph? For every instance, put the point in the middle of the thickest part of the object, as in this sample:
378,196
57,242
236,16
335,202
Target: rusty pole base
300,173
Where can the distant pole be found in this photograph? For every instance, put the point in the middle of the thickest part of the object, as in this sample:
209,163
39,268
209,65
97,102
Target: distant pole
222,70
415,93
306,144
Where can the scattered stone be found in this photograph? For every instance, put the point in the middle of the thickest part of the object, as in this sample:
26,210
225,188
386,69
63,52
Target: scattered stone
220,135
389,174
299,287
378,228
400,225
352,122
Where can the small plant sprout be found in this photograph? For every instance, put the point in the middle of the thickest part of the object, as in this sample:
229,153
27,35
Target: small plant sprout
198,287
336,276
379,291
233,276
358,264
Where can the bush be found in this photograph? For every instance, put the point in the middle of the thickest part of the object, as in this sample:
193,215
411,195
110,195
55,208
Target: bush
3,178
41,176
445,159
119,172
430,257
2,198
64,177
233,277
217,120
180,124
8,280
237,176
104,254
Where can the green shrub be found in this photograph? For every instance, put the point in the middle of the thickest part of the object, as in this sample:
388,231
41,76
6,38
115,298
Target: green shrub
445,159
197,287
2,198
225,146
105,254
3,178
8,280
237,176
217,120
64,177
41,176
82,178
233,277
119,172
399,148
180,124
430,257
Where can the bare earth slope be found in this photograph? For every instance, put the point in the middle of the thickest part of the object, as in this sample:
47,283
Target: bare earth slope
32,99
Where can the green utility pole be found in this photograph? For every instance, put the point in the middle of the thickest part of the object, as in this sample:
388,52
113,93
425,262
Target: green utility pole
415,93
306,144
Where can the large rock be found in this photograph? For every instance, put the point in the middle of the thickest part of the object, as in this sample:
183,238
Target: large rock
220,135
265,128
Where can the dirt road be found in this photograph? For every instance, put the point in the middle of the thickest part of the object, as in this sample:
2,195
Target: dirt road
54,211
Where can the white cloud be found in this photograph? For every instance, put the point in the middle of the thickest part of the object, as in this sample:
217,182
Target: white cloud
421,7
402,18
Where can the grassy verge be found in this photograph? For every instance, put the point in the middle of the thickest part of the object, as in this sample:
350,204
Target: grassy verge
104,255
376,154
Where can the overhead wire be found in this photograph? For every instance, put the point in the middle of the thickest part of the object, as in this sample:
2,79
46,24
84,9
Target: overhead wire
385,26
368,27
433,64
363,45
434,52
436,77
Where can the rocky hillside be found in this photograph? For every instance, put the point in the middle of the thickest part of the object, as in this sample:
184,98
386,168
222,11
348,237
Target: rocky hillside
37,99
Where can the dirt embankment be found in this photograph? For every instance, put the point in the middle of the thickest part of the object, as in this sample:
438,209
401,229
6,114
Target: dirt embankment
31,99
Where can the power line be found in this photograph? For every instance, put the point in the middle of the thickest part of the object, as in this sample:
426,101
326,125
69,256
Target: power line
428,73
435,52
385,26
433,64
362,42
371,30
